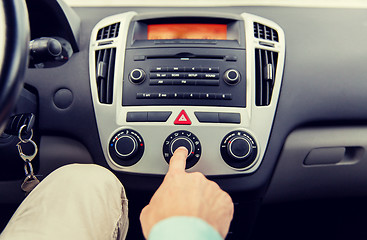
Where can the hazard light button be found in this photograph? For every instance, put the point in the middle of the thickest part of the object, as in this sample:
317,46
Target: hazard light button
182,119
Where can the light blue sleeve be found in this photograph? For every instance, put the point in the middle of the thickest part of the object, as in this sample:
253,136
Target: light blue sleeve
183,228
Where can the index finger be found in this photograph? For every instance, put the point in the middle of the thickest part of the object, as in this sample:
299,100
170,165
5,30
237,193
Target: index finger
178,160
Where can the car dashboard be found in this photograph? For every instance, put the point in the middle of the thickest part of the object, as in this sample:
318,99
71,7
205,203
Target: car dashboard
269,100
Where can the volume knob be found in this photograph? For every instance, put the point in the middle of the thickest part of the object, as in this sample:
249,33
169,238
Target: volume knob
137,76
232,76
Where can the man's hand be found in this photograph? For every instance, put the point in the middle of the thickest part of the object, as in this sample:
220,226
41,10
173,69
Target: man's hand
188,194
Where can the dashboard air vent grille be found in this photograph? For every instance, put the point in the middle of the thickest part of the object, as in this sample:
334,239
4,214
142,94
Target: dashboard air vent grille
110,31
266,65
264,32
105,68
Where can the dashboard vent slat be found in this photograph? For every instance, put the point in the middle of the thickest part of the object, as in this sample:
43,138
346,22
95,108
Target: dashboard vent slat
105,68
266,64
110,31
264,32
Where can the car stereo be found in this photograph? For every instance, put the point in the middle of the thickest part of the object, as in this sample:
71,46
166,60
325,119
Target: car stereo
206,81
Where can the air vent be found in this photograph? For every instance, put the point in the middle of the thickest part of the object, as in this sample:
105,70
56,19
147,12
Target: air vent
110,31
105,68
264,32
266,65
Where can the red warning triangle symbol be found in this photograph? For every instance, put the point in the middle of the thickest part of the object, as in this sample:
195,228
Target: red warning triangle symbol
182,119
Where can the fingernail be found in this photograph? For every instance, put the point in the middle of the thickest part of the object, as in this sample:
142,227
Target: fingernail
182,147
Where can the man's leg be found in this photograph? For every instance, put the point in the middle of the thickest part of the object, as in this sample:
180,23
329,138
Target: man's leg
74,202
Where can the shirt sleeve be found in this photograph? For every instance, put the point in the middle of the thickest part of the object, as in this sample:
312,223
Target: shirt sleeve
183,228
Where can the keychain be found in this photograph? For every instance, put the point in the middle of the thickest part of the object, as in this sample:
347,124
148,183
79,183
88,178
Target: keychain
30,181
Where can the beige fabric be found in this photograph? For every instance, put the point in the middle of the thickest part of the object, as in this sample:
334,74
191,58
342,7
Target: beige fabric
74,202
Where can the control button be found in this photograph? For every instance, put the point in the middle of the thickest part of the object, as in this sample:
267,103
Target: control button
238,149
178,95
232,77
193,69
207,82
211,69
146,95
175,69
161,82
139,58
231,58
175,75
162,95
182,119
207,117
230,118
158,69
182,142
126,147
194,95
185,139
137,76
207,95
183,82
194,75
157,75
224,96
158,116
136,117
211,76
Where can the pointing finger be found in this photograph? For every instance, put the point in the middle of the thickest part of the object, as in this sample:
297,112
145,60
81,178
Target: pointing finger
178,160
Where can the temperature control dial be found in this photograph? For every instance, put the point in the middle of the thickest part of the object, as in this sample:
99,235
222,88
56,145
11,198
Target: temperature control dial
238,149
184,139
126,147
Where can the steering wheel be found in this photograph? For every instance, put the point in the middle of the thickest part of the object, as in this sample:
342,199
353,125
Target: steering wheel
14,44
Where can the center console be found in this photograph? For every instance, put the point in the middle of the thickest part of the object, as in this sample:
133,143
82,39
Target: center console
209,82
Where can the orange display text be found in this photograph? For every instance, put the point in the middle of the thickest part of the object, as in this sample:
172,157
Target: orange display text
187,31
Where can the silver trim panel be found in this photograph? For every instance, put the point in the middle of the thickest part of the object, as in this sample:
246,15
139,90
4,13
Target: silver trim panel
255,120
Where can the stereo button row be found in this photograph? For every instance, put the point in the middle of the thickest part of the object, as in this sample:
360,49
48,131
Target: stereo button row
200,82
215,96
184,75
185,69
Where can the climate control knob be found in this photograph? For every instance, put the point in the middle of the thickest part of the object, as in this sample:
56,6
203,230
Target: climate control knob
126,147
232,76
137,76
238,149
183,139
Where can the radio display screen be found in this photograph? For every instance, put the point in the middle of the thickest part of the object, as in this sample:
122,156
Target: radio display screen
187,31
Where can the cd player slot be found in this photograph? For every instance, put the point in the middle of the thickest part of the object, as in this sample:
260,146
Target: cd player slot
186,56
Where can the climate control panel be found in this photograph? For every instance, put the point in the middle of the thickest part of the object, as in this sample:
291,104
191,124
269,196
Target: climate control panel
238,148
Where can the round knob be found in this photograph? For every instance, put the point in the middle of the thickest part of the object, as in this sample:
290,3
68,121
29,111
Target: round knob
126,146
183,142
183,139
239,148
137,76
232,76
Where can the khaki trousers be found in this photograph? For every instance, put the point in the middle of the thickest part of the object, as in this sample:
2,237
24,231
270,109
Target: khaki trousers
74,202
